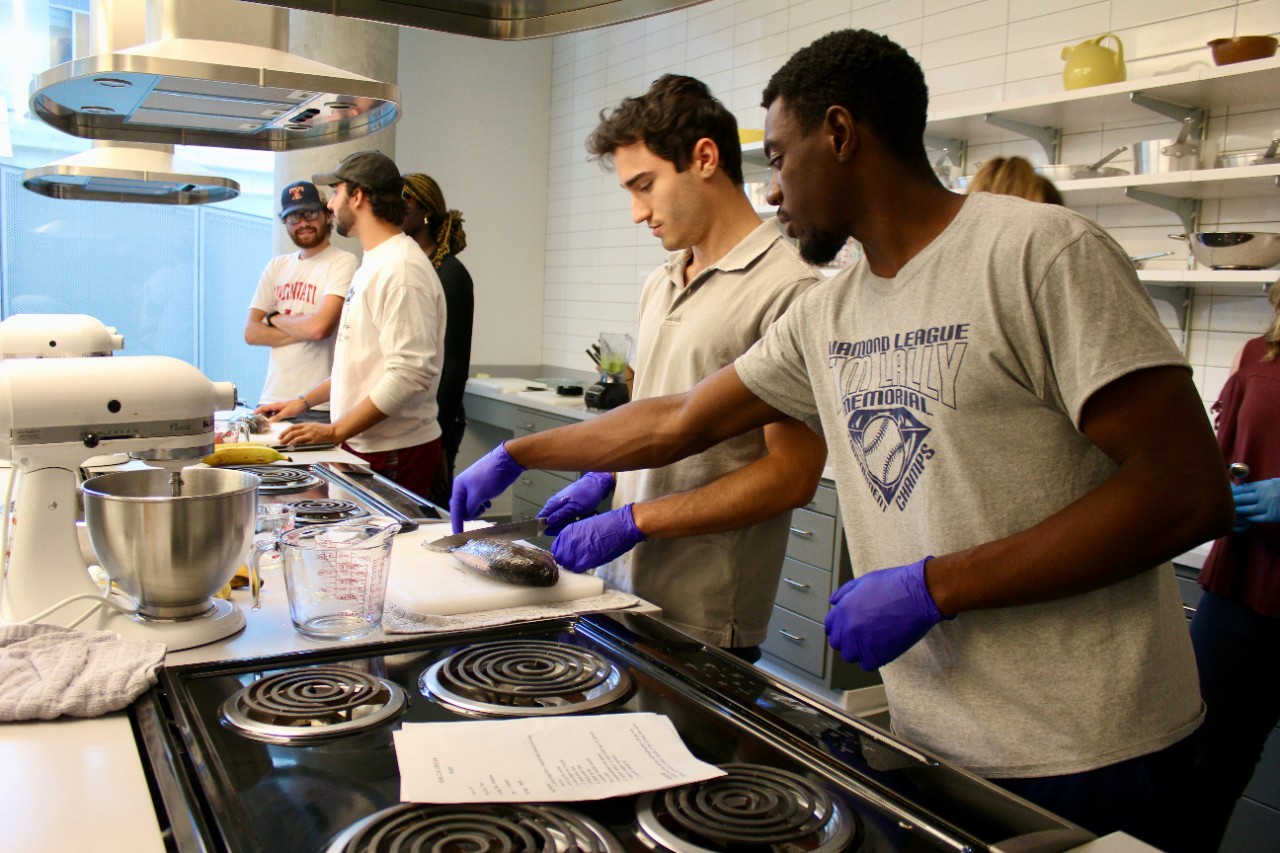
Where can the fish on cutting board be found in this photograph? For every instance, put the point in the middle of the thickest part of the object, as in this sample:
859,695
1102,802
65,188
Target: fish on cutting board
512,562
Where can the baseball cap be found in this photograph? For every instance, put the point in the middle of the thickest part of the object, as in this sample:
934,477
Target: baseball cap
371,169
300,195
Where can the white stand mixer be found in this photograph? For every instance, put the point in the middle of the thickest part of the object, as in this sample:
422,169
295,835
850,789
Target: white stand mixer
56,336
54,415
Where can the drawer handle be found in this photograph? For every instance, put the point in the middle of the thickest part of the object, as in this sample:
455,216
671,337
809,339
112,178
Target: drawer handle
526,481
795,638
795,584
526,426
804,534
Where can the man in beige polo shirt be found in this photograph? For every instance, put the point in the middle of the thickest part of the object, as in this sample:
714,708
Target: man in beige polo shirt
675,149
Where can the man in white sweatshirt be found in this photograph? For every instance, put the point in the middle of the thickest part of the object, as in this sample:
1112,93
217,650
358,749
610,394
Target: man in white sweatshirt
389,349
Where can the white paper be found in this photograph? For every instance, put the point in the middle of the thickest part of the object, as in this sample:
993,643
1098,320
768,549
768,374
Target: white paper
543,759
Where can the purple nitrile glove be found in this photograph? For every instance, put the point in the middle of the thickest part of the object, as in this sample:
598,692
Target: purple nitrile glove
1258,502
576,500
880,615
596,540
479,484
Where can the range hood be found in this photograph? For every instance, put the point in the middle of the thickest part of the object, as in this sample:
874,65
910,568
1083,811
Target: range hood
124,172
183,90
129,173
493,19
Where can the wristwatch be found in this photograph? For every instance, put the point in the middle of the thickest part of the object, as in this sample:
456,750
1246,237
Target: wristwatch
267,319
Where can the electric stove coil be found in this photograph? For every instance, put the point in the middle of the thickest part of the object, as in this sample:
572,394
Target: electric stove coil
322,510
277,479
498,828
317,703
522,678
753,808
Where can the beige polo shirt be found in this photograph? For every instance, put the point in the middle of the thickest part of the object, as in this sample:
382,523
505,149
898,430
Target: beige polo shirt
719,587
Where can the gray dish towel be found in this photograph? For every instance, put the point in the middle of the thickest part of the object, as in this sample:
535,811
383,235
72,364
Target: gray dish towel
48,672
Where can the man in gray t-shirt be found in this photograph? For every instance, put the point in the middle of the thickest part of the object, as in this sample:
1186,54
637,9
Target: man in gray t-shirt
1019,450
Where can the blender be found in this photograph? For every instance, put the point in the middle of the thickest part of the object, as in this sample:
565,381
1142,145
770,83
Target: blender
611,389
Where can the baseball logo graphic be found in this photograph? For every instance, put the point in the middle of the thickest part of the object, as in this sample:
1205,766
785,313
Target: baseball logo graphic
883,448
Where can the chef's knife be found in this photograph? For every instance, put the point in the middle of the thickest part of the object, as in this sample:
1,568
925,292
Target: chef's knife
510,531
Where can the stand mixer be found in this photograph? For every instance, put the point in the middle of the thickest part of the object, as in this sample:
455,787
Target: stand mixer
54,415
56,336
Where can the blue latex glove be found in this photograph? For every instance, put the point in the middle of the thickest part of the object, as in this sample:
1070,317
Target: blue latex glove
1258,502
880,615
596,540
1241,523
475,487
576,500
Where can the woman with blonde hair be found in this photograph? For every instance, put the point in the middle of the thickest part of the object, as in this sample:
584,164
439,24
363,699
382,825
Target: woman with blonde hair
438,230
1014,176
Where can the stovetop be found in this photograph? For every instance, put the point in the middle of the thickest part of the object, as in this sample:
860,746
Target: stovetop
338,491
295,752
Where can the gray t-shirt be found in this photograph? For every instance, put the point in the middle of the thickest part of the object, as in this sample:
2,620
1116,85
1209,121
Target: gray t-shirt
950,397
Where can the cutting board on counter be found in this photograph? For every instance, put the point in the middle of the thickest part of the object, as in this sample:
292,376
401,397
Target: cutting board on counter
435,583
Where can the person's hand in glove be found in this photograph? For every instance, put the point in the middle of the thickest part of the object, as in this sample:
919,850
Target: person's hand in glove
1241,523
576,500
475,487
596,540
1258,502
880,615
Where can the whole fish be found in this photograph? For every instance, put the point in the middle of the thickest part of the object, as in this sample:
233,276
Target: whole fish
508,561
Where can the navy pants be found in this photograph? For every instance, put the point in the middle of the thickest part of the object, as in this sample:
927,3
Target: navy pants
1238,654
1143,796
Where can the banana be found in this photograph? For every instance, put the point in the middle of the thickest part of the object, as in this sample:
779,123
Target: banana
240,453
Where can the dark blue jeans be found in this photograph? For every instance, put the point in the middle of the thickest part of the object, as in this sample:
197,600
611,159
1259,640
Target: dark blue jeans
1238,653
1142,796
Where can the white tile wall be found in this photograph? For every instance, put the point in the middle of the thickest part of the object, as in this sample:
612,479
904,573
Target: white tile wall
974,52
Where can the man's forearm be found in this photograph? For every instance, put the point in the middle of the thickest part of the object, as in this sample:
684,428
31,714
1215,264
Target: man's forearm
364,415
778,482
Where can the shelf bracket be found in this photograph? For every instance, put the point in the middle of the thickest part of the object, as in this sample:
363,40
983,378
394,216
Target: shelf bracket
1179,299
955,149
1050,138
1173,111
1186,209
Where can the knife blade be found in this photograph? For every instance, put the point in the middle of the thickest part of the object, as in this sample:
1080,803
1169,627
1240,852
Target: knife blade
510,531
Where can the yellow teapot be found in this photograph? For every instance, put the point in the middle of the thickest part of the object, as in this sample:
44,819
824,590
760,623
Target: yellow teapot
1091,64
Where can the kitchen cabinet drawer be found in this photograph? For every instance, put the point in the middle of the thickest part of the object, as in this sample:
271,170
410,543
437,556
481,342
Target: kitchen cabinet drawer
804,589
489,411
528,421
536,486
1254,828
824,501
798,641
812,538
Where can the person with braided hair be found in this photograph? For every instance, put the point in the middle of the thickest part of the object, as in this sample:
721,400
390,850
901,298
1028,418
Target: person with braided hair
438,230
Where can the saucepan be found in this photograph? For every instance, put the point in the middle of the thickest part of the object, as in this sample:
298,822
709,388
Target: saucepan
1060,172
1234,250
1267,157
1154,156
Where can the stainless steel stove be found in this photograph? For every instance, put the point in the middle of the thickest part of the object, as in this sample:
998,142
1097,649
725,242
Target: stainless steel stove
295,753
340,491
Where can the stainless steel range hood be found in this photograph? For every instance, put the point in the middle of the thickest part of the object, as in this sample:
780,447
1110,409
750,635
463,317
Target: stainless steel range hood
494,19
129,173
119,171
186,90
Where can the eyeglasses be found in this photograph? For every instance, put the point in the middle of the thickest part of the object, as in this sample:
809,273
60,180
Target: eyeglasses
298,215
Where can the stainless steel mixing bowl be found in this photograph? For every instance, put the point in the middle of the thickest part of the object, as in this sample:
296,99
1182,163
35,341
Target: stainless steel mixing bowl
171,553
1234,250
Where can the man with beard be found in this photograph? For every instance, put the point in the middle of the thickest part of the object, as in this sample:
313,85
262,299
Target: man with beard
296,307
390,342
1017,443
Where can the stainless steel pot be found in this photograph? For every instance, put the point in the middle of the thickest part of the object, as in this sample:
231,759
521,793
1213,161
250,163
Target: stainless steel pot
1060,172
1234,250
1266,157
167,552
1155,156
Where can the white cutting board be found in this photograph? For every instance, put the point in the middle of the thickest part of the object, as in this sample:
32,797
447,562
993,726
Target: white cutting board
435,583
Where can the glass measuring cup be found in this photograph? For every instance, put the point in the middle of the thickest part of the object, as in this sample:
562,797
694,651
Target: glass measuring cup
335,575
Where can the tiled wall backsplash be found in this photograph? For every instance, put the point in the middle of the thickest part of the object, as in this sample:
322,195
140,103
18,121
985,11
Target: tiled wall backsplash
974,52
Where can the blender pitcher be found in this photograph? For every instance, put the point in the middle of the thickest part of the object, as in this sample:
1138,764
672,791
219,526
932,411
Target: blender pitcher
335,575
611,390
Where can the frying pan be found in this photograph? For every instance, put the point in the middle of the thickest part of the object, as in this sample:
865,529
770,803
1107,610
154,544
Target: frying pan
1061,172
